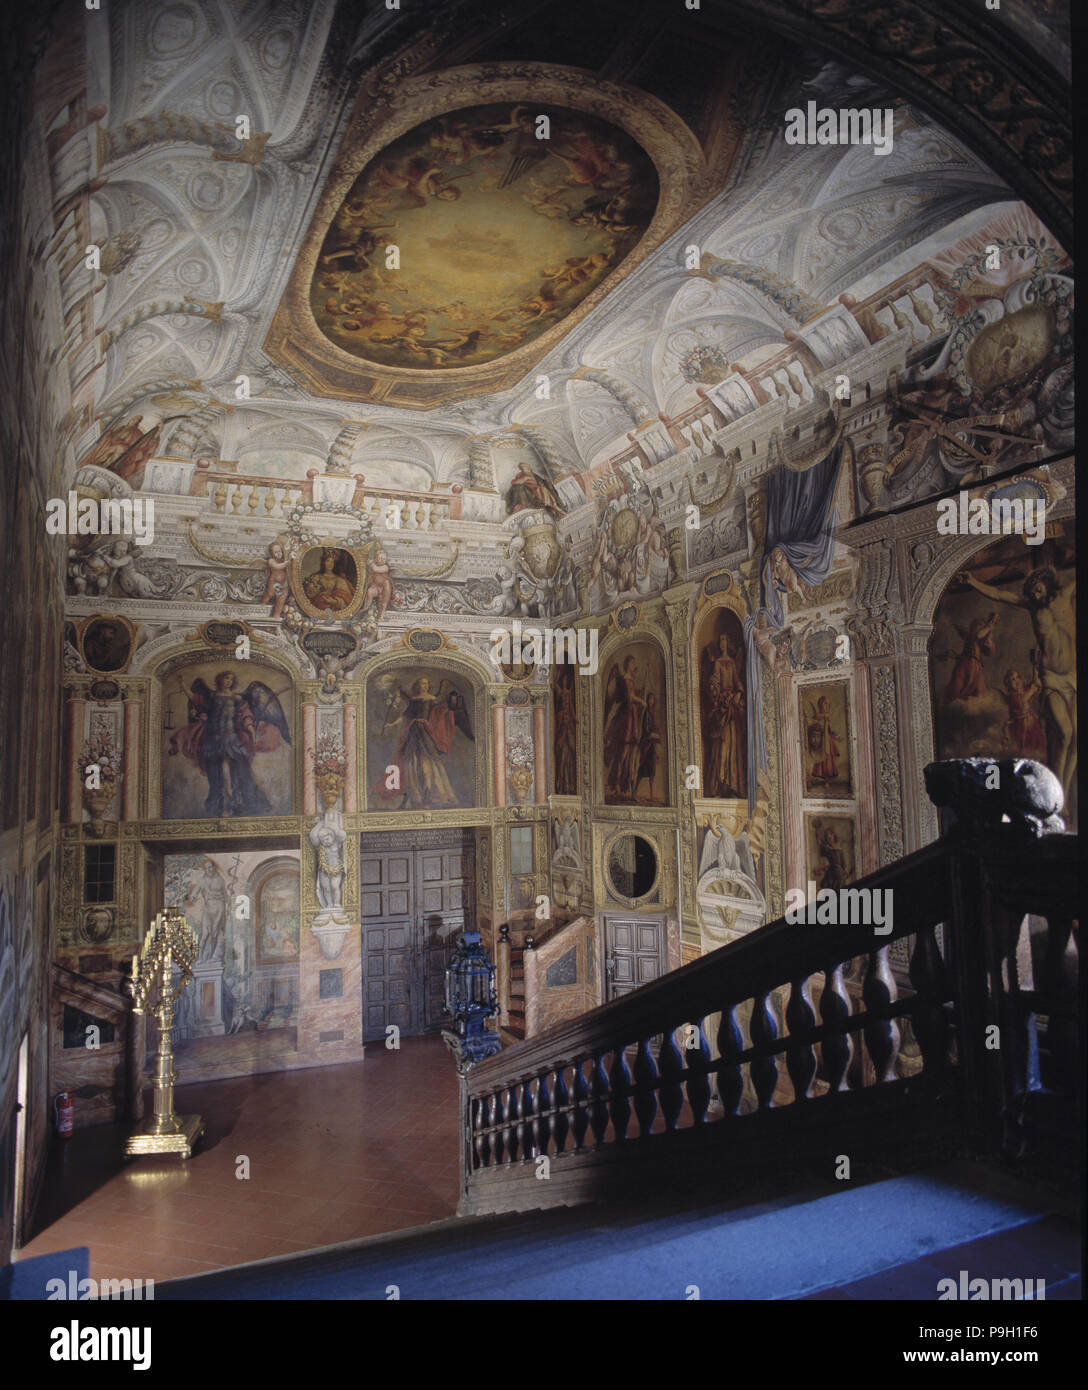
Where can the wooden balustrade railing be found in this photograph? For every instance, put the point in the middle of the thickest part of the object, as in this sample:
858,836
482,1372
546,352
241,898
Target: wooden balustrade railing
760,1049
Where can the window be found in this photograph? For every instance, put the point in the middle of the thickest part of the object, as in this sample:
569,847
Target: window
521,849
99,873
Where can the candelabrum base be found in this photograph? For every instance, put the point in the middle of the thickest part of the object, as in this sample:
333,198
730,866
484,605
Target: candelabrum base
182,1141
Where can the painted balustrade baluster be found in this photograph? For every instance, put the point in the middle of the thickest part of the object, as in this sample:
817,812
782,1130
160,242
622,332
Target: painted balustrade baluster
881,1034
929,978
598,1105
730,1074
560,1125
671,1067
801,1059
697,1056
580,1119
645,1091
764,1065
838,1047
619,1106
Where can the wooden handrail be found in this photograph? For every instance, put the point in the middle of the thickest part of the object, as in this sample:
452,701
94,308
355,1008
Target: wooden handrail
614,1098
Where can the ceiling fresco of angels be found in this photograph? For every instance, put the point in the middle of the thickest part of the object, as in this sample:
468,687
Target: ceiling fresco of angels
500,234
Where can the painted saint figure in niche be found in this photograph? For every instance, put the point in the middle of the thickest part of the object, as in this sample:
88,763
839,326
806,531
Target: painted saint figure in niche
225,732
649,745
331,587
1049,605
566,731
211,893
724,723
1022,729
624,706
834,873
822,743
429,720
967,681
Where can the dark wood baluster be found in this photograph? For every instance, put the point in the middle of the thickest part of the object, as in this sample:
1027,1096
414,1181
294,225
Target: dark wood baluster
598,1103
671,1066
645,1091
881,1033
764,1065
730,1075
930,1023
480,1145
541,1107
496,1134
560,1125
837,1047
525,1114
509,1128
1060,974
580,1096
697,1056
619,1108
801,1058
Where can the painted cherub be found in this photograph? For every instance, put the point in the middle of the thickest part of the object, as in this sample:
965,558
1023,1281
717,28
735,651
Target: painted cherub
380,587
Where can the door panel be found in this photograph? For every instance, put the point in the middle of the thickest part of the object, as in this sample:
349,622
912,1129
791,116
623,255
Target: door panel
635,953
413,906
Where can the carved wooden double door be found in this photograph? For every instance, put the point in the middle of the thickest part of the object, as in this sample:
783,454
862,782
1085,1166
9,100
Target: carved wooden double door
417,894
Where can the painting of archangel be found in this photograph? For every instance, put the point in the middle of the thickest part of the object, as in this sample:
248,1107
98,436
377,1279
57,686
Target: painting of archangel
503,218
636,759
420,741
232,755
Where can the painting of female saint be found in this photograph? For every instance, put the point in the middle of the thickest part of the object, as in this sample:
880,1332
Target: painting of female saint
636,756
234,745
723,705
420,740
528,491
565,728
826,739
1003,657
832,861
329,578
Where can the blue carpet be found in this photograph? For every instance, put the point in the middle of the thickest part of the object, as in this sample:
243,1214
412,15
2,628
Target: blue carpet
780,1249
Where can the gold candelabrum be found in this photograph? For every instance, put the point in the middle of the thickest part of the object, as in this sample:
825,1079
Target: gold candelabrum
170,941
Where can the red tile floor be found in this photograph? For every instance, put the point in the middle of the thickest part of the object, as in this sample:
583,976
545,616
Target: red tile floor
335,1153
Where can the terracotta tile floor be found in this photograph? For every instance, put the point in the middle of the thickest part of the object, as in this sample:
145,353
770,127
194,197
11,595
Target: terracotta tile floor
335,1153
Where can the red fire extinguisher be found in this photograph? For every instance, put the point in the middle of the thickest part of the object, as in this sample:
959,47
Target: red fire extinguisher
64,1112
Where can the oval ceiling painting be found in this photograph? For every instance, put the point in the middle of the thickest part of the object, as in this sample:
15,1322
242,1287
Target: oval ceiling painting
499,234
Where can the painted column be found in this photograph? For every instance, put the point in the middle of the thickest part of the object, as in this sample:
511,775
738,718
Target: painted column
309,746
130,787
73,810
538,754
498,740
351,785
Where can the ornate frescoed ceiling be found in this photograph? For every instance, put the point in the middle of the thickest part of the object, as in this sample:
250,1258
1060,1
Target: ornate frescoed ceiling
498,233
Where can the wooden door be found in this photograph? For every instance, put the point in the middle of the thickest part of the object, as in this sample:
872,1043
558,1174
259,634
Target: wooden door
634,953
387,897
417,893
442,894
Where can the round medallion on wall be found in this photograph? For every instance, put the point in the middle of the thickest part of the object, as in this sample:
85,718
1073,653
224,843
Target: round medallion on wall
518,696
631,867
107,642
